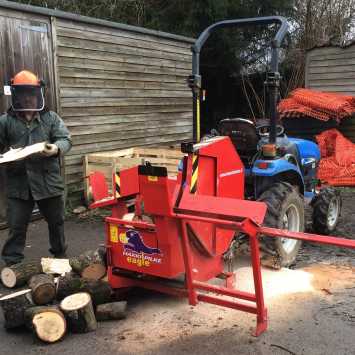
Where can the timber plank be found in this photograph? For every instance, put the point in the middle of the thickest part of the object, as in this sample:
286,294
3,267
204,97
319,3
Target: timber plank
122,143
86,96
329,51
70,42
126,127
134,133
112,75
120,119
154,38
83,83
119,67
122,41
127,109
121,58
72,102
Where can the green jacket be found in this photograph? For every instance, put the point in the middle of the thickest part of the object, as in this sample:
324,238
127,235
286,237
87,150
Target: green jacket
38,174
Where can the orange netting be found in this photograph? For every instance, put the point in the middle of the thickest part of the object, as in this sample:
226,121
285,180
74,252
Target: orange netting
317,104
337,165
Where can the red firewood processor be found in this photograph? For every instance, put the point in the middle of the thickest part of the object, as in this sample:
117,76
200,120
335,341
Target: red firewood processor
182,227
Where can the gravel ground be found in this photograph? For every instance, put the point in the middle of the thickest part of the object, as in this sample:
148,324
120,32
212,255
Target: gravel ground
310,307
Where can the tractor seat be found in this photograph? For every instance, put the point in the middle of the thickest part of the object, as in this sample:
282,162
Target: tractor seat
243,135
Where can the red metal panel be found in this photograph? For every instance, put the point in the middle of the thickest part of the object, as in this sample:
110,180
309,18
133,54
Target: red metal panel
156,194
129,181
99,188
230,169
219,207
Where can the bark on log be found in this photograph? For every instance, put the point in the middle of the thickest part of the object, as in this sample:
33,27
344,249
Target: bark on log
91,264
43,288
14,306
47,323
100,291
19,274
111,311
79,312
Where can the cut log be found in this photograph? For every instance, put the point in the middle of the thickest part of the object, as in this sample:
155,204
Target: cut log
55,266
43,288
18,275
14,306
91,264
111,311
100,291
79,312
94,272
47,323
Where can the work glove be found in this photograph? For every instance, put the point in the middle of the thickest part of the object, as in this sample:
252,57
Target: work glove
50,150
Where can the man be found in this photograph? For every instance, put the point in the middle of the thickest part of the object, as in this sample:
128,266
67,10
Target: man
36,179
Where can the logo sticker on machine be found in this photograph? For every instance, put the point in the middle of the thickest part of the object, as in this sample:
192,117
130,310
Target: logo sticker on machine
113,234
136,251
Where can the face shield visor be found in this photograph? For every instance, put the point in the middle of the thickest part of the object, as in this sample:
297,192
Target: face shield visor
27,98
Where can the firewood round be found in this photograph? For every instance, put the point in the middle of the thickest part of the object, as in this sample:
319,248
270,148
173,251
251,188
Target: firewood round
48,323
14,306
18,274
43,288
79,312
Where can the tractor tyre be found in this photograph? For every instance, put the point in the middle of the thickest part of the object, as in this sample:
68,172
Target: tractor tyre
326,210
285,210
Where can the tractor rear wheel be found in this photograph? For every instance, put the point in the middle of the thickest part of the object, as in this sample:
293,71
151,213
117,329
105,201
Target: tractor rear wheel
326,210
285,210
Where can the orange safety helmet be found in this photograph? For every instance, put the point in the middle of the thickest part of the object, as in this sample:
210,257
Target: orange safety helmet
27,92
25,77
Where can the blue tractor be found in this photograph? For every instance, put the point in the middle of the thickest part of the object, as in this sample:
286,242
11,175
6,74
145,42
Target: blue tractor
280,171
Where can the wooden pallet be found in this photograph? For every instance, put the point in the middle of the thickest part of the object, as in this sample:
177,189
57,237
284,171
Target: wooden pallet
113,161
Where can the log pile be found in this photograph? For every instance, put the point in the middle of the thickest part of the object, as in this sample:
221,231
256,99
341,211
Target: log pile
50,306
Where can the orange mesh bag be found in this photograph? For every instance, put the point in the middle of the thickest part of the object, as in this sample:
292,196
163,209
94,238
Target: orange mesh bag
337,165
326,142
317,104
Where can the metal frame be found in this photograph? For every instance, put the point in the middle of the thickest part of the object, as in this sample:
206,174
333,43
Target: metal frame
273,78
192,287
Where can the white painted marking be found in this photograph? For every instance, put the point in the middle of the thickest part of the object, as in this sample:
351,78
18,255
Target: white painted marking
233,172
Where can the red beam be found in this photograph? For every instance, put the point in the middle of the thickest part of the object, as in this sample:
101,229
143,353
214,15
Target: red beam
225,291
138,224
226,303
316,238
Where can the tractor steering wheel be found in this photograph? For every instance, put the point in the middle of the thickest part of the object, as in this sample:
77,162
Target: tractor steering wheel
264,130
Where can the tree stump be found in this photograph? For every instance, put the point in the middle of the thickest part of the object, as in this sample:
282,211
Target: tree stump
79,312
100,291
19,274
111,311
43,288
47,323
14,307
91,264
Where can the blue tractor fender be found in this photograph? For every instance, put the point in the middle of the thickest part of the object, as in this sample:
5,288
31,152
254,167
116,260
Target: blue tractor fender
281,169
